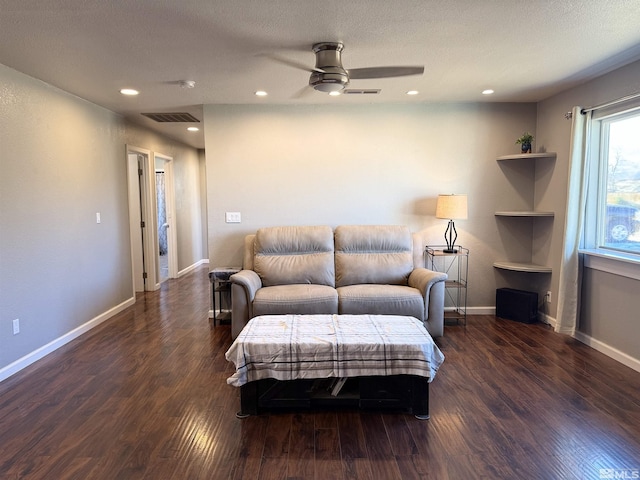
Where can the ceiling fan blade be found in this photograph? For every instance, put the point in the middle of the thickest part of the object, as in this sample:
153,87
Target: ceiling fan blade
292,63
303,92
384,72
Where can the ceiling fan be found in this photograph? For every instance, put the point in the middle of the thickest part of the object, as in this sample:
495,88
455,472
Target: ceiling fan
329,75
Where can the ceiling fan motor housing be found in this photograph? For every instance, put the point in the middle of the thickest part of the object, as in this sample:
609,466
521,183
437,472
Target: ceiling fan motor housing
330,75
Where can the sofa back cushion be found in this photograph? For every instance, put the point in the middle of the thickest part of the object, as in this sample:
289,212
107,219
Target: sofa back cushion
249,242
294,255
380,254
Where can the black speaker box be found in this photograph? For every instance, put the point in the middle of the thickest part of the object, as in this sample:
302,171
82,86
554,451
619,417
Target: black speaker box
518,305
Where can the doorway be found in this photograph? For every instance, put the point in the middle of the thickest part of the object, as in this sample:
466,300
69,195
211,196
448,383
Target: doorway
144,227
136,160
167,265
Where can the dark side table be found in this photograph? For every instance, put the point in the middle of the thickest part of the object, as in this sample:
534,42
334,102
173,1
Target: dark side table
221,288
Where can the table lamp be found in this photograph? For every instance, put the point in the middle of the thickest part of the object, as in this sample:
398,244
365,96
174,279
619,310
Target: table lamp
451,207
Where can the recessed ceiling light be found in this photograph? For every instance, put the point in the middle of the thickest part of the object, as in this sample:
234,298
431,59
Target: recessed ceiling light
193,129
129,91
261,93
334,93
488,91
412,92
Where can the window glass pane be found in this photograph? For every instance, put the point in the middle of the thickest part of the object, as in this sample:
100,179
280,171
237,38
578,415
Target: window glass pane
622,214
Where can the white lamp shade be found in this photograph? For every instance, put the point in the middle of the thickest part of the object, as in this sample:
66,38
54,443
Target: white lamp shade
451,206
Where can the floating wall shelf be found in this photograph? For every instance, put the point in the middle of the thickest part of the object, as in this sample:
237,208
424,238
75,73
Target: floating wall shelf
524,214
522,267
516,266
525,156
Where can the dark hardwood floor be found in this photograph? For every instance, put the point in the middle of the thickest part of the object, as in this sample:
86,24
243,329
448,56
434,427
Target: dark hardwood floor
144,396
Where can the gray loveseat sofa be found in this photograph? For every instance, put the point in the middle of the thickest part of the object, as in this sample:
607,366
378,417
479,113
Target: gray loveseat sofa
354,269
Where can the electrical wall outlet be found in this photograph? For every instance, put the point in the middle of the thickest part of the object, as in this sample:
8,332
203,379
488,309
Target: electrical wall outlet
16,326
547,297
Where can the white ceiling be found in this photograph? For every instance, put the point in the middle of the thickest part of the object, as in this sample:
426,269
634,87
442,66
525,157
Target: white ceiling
526,50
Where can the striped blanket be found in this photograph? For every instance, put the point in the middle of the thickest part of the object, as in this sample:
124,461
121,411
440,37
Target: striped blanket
289,347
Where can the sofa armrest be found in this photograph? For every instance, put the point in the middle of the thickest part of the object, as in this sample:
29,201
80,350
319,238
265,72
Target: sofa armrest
244,286
423,279
431,285
249,280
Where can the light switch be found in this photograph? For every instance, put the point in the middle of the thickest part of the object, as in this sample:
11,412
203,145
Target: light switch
233,217
97,217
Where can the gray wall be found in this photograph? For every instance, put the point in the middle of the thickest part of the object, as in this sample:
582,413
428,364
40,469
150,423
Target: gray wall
332,165
371,164
62,159
610,309
610,302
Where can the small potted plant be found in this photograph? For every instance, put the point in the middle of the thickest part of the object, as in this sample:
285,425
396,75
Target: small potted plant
525,142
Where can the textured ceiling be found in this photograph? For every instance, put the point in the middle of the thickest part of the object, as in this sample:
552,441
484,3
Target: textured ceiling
524,50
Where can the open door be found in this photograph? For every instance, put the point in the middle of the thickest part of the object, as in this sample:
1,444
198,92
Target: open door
141,218
136,159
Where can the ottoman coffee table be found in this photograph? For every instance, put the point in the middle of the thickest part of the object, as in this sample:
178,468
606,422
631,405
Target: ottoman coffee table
307,361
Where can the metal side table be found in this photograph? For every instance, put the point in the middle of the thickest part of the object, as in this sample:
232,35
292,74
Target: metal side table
456,266
221,288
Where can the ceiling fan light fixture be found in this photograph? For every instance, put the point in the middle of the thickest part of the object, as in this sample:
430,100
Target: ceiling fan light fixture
334,81
328,74
329,87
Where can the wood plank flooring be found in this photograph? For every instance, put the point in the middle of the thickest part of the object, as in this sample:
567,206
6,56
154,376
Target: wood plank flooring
144,396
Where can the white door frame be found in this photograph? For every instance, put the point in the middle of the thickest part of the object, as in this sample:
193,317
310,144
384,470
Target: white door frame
172,234
142,199
135,219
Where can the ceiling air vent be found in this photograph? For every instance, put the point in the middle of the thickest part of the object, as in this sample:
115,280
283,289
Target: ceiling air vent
172,117
356,91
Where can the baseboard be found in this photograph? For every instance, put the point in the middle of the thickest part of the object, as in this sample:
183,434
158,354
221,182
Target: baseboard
548,319
543,317
204,261
609,351
43,351
481,310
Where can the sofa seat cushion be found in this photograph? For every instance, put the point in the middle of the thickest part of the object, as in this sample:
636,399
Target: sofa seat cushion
297,298
381,300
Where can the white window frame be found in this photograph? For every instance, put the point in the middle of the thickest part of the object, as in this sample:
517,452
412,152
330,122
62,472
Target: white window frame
597,255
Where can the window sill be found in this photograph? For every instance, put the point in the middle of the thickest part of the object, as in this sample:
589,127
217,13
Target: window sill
618,263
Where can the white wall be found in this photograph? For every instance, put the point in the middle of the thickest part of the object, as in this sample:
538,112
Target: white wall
371,164
62,159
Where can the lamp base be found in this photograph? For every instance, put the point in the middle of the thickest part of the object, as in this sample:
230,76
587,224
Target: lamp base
450,237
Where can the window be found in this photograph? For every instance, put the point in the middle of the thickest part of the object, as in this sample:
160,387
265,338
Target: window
615,147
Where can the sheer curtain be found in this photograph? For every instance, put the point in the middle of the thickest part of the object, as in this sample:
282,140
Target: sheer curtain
571,265
162,213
